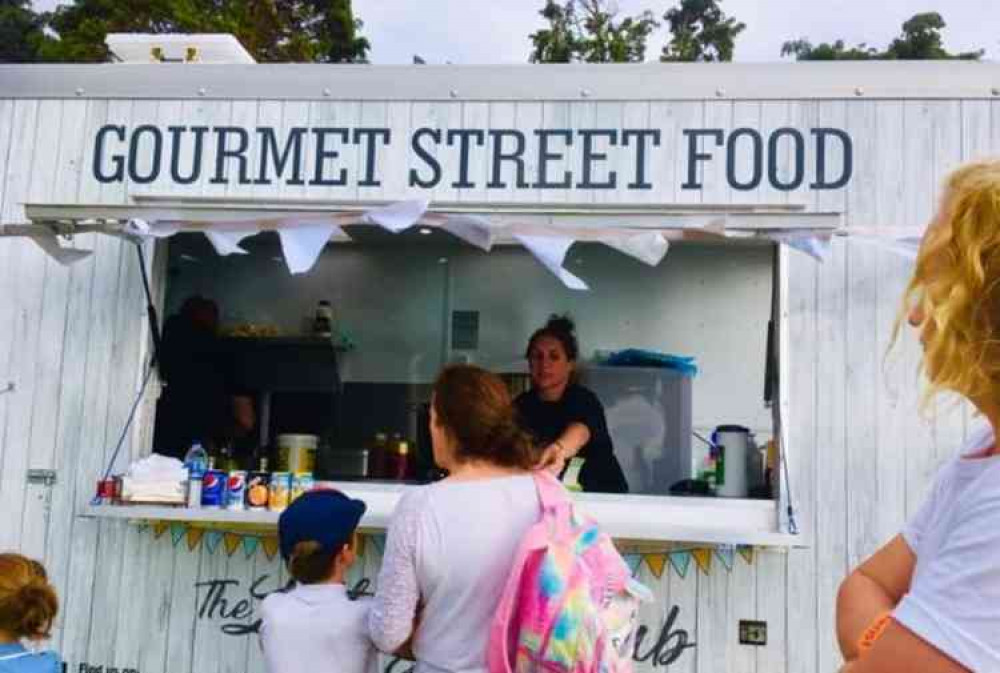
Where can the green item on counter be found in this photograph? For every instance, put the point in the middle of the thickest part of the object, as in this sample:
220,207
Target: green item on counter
571,478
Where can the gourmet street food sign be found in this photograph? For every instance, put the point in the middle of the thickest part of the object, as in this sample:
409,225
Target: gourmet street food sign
623,159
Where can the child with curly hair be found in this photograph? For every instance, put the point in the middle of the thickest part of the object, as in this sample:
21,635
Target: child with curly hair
28,605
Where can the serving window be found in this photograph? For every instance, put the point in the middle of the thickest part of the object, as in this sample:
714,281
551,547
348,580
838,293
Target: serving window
679,353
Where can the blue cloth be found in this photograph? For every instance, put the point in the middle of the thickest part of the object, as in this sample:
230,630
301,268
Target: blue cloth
15,658
638,357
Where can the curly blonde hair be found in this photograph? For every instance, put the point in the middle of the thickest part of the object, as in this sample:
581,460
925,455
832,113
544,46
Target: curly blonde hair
956,284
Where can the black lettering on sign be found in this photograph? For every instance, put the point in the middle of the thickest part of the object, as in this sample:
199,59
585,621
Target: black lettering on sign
591,157
322,154
669,645
237,612
788,158
545,155
176,133
695,157
641,136
428,158
799,161
847,167
515,156
464,136
137,148
218,602
756,161
269,149
85,667
223,151
117,173
369,135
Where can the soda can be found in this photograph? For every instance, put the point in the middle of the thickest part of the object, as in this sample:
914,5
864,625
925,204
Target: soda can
213,488
257,490
301,482
236,488
105,491
279,490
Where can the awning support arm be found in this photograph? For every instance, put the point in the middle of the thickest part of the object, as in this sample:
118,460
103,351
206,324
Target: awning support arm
151,316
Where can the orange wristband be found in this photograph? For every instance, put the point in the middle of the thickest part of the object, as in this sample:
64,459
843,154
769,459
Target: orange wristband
874,630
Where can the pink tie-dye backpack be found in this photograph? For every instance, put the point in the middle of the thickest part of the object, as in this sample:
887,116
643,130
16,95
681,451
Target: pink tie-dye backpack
570,604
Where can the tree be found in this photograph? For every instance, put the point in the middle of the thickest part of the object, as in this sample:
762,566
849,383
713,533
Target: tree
700,31
558,42
271,30
591,33
803,50
21,32
920,40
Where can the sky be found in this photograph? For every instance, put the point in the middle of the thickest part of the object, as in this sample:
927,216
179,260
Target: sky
478,31
496,31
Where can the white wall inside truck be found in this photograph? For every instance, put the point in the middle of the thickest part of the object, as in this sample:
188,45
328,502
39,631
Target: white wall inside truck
711,302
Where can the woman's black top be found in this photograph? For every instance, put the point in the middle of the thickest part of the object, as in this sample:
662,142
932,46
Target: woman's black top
547,421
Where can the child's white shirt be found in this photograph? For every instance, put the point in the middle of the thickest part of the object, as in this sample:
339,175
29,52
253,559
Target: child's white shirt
316,628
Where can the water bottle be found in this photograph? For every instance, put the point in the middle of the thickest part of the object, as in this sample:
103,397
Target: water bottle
196,462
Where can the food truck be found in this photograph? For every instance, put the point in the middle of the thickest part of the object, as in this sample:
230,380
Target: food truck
732,241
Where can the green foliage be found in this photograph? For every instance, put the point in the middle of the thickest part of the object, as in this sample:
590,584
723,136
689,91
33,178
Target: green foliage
322,31
700,31
21,32
920,40
803,50
590,33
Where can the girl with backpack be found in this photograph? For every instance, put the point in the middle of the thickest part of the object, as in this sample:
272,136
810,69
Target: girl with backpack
451,544
929,600
28,606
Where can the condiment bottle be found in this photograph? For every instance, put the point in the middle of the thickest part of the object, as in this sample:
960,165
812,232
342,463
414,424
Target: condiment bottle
379,456
323,322
400,463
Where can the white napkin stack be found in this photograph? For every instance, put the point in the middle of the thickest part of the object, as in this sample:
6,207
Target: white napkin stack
155,479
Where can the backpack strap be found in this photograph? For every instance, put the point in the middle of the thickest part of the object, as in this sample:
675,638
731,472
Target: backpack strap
551,493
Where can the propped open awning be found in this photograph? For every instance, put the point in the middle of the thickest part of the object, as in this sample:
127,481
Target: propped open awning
546,230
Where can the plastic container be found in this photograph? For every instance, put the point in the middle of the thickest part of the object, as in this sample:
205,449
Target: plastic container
297,453
196,458
736,442
196,462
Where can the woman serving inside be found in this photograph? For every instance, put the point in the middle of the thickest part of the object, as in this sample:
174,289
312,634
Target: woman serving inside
563,416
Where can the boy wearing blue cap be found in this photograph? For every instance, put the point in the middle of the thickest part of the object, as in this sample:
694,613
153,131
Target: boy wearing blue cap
315,625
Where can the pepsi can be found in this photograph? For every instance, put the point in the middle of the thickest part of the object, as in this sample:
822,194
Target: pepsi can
213,488
236,490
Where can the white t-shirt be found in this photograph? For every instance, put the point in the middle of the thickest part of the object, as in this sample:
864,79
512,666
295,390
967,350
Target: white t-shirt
316,628
451,546
954,597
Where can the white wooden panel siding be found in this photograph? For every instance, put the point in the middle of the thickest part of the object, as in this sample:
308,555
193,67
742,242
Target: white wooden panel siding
73,340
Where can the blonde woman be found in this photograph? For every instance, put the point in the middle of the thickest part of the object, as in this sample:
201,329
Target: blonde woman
929,600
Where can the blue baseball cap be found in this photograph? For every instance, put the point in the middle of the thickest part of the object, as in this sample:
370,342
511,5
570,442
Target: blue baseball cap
325,516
